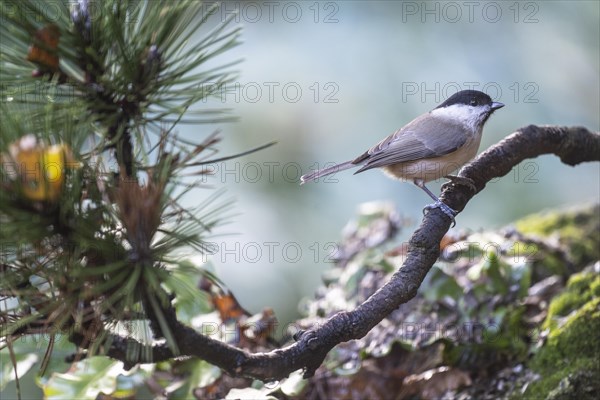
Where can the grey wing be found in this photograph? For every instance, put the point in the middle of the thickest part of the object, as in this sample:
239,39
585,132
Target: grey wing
407,144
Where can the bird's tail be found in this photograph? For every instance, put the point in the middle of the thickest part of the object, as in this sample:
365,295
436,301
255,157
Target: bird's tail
326,171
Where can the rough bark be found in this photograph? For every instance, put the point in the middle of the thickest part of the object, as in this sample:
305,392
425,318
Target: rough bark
573,145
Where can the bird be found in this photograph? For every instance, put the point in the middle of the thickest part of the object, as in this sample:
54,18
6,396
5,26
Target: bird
429,147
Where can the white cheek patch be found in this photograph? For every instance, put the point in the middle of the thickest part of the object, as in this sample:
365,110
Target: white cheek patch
469,116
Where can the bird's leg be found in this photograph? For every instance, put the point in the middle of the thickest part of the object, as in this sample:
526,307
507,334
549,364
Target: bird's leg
438,203
459,180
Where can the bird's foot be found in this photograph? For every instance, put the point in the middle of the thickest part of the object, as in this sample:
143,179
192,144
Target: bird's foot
450,213
459,180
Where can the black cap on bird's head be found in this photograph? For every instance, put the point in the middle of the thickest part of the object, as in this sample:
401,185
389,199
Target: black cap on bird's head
472,98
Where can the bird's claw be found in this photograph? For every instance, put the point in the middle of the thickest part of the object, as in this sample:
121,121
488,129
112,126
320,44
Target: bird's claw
450,213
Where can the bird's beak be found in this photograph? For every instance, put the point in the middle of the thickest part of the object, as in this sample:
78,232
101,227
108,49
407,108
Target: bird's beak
495,105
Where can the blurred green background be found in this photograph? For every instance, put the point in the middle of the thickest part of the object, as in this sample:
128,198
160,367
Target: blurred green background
327,80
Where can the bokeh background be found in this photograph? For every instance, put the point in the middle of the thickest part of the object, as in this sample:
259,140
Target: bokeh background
327,80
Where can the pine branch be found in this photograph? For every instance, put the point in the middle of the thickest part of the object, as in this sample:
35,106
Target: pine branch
573,145
98,78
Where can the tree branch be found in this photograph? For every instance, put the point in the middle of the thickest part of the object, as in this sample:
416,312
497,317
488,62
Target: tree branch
573,145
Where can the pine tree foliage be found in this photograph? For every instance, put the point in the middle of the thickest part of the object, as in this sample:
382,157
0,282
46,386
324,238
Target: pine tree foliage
92,226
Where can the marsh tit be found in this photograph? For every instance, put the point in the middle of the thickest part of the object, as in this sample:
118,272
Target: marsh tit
430,147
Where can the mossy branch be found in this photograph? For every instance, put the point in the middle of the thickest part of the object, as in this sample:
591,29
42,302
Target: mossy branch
573,145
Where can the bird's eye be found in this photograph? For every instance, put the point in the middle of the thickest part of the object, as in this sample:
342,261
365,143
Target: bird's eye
473,102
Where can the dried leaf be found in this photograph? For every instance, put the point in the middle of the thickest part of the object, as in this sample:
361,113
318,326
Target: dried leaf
432,384
43,50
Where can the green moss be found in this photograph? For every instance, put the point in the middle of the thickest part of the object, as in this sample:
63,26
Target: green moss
580,332
568,363
577,230
546,223
595,287
581,288
579,385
